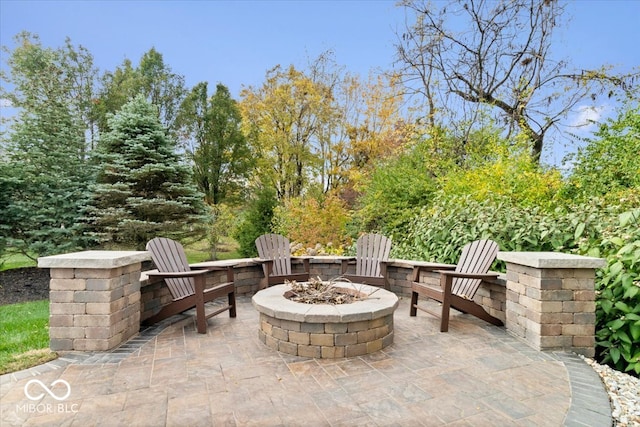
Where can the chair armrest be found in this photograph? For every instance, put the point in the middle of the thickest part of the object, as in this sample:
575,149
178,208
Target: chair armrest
262,260
467,275
178,274
208,267
429,268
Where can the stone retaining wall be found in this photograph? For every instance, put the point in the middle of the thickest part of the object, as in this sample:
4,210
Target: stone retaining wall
247,273
99,298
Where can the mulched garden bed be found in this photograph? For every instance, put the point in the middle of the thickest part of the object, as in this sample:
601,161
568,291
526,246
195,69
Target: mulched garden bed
24,284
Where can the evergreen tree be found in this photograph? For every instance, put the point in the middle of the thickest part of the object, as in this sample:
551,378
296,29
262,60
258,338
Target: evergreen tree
257,221
43,175
143,190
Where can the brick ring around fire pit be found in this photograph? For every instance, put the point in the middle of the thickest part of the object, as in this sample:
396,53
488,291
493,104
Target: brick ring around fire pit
324,330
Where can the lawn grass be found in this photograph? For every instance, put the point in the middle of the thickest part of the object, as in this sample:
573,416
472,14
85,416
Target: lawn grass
196,252
199,251
7,262
24,328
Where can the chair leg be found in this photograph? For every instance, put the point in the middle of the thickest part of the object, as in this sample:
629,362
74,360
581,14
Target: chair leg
413,309
444,316
445,283
201,320
232,304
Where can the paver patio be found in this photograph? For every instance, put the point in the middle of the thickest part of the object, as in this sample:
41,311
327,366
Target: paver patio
474,375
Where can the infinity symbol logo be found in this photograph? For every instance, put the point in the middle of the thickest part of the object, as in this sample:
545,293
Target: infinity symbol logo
47,389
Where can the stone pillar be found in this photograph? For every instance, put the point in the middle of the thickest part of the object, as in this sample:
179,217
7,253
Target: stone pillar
551,300
94,299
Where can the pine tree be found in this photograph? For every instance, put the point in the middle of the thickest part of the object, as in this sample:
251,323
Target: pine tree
43,174
143,190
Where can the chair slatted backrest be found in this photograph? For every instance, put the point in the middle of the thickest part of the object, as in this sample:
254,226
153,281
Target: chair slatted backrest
276,248
370,250
476,257
169,256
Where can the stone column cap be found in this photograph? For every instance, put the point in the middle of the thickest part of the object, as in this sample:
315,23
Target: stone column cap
551,260
94,259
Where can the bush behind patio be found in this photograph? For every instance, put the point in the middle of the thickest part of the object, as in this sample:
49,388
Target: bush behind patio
597,227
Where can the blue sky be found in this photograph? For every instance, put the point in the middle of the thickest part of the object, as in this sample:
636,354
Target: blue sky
236,42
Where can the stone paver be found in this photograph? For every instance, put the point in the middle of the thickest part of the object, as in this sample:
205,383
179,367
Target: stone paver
476,374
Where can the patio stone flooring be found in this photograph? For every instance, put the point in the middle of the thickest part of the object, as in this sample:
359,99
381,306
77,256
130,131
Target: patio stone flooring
474,375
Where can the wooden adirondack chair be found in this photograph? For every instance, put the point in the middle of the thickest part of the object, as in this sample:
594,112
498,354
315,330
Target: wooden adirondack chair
459,285
275,255
372,255
187,284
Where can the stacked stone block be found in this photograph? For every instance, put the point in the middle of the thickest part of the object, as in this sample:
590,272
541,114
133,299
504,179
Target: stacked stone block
324,330
491,295
326,340
399,275
551,300
325,267
247,277
94,299
154,294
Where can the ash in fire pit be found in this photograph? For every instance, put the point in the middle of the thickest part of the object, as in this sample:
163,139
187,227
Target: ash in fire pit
317,291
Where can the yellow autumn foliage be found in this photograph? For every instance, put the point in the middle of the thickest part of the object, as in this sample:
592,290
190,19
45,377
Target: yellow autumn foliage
517,179
311,221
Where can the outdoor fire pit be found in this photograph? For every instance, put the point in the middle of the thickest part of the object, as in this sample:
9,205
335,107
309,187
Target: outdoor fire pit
323,330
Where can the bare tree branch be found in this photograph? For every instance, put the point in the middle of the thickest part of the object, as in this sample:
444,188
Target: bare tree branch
496,54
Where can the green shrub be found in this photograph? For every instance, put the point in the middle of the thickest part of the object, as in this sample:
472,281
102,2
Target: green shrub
256,221
393,191
594,228
517,179
314,220
618,302
440,231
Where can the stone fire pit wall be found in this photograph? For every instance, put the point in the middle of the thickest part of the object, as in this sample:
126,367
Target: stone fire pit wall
324,330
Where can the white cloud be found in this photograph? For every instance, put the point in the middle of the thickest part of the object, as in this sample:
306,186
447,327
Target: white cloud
5,103
587,116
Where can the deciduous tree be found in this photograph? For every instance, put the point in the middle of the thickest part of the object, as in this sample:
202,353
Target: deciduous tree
282,119
494,55
152,78
216,144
